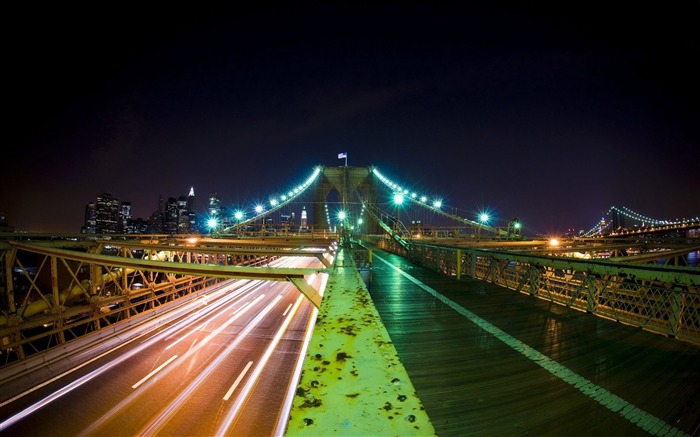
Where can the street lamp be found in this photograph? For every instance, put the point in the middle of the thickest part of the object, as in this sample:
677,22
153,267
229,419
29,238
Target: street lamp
238,215
398,201
258,210
514,228
341,217
483,219
212,224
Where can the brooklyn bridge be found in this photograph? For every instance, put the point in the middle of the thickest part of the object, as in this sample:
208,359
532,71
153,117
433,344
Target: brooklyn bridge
386,315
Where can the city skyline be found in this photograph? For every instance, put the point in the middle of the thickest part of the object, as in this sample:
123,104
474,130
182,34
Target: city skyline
537,111
225,215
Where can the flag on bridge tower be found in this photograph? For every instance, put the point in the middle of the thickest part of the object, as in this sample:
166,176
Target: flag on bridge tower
343,155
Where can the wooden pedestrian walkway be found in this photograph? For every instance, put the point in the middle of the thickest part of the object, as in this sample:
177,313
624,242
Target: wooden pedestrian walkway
488,361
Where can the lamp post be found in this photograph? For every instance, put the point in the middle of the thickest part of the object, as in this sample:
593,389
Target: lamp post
483,219
258,211
238,215
514,228
213,224
341,218
398,201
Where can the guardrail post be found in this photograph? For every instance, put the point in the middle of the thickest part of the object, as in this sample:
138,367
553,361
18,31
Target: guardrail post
472,268
459,264
674,317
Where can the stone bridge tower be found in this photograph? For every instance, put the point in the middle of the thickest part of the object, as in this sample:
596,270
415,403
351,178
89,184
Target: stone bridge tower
347,181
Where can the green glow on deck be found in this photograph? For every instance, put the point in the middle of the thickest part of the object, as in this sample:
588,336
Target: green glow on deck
353,382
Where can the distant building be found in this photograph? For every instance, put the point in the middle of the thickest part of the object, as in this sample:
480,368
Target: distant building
171,216
190,200
4,225
215,211
124,217
304,222
137,226
107,214
90,226
214,207
191,214
182,217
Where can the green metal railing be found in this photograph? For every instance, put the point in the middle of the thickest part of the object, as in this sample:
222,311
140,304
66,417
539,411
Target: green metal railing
658,298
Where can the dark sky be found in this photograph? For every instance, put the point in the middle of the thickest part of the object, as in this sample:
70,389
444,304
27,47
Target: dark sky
552,113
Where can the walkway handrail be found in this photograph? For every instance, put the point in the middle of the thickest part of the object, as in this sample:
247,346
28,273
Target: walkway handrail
658,298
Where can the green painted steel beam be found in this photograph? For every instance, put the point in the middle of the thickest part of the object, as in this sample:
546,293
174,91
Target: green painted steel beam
685,276
220,271
308,291
352,381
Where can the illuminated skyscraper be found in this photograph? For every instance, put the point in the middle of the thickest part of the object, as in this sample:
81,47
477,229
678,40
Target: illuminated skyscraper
191,215
106,214
190,200
90,218
304,223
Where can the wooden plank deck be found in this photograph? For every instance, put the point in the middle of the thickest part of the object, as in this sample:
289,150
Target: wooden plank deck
507,364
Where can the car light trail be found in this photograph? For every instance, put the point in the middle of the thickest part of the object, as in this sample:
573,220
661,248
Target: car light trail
86,378
153,427
151,325
57,394
245,393
296,375
243,307
179,323
126,401
287,406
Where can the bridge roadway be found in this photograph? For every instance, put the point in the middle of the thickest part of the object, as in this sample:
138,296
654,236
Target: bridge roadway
488,361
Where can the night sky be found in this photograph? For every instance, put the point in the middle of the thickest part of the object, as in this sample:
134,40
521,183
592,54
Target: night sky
549,113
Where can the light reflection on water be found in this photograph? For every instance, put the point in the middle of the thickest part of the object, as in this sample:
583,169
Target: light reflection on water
693,259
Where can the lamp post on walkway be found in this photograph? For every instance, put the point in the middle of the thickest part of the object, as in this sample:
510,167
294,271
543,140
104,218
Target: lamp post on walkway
483,219
398,201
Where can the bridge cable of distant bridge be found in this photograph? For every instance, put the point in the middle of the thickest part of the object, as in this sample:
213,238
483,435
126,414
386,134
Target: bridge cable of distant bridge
606,226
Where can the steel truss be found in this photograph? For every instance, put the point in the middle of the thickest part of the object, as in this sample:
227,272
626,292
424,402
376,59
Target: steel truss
73,288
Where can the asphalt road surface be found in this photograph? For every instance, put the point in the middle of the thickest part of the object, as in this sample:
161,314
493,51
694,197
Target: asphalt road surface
228,367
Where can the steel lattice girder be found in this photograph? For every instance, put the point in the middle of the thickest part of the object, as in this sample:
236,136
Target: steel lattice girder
294,275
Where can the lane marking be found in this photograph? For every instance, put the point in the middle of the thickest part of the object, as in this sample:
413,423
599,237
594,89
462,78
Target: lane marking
633,414
237,381
246,391
159,421
153,372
